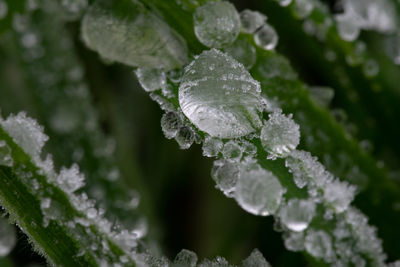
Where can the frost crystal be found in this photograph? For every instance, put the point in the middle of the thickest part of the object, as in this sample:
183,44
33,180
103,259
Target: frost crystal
339,195
251,20
26,132
185,258
297,214
170,124
219,96
256,259
225,175
242,51
266,37
216,24
5,154
284,2
258,191
280,135
294,241
212,146
347,27
319,244
70,179
185,137
7,237
151,79
275,65
232,151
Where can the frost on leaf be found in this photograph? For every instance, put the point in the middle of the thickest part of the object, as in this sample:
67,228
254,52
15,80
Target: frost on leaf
258,191
216,24
151,79
123,31
219,96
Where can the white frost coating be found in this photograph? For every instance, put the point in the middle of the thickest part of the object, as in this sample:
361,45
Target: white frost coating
258,191
232,151
26,132
8,237
225,175
151,79
212,146
242,51
339,195
280,135
297,214
303,8
71,179
251,20
319,244
170,124
185,258
216,24
5,154
266,37
256,259
347,28
219,96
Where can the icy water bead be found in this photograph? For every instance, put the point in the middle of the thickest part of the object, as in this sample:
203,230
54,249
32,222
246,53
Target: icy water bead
225,174
280,135
242,51
319,244
151,79
170,124
266,37
5,154
212,146
124,31
258,191
297,214
219,96
256,259
185,258
216,24
251,20
7,237
347,28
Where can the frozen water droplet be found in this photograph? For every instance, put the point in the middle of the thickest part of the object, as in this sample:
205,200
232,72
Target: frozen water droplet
242,51
266,37
124,31
297,214
347,28
223,103
170,124
339,194
71,179
370,68
322,95
185,258
216,24
284,2
151,79
294,241
303,8
319,244
3,9
275,65
185,137
212,146
232,151
258,191
8,237
217,262
26,132
251,20
225,175
5,154
280,135
256,259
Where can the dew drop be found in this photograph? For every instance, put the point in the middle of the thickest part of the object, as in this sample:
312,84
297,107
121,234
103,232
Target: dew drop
266,37
3,9
225,174
151,79
303,8
251,20
347,28
297,214
242,51
232,151
185,258
322,95
185,137
170,124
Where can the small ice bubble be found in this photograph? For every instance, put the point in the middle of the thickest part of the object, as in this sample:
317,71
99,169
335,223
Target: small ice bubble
339,195
212,146
280,135
225,175
5,154
170,124
8,237
251,20
216,24
266,37
297,214
258,191
185,258
256,259
151,79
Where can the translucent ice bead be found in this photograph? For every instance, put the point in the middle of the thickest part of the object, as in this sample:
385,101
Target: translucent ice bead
219,96
170,124
303,8
185,137
225,175
319,244
232,151
280,135
7,237
347,28
322,95
258,191
297,214
266,37
242,51
251,20
185,258
256,259
216,24
212,146
151,79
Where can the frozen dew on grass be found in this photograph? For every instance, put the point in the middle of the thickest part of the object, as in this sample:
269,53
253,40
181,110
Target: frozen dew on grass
225,174
242,51
347,28
5,154
185,137
216,24
219,96
232,151
124,31
151,79
258,191
280,135
339,195
71,179
170,124
8,237
185,258
322,95
256,259
370,68
251,20
303,8
212,146
284,2
266,37
319,244
297,214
